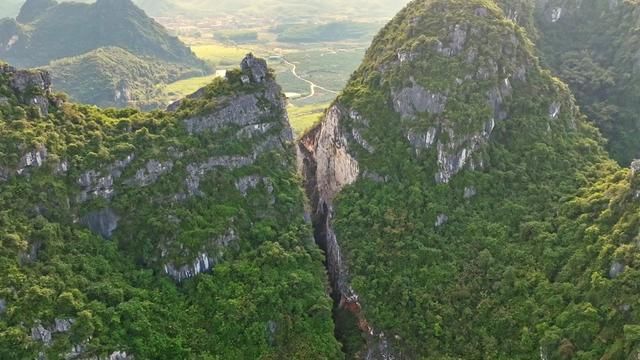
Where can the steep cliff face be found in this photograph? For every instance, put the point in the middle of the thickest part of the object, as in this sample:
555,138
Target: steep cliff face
435,178
159,235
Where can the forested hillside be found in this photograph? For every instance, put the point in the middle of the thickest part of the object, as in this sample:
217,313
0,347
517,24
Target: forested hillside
112,221
467,206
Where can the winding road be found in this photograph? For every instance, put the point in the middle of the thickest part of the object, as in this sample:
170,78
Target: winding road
312,85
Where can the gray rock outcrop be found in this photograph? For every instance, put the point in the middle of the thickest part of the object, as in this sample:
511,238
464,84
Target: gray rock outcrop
101,222
150,173
32,87
255,68
203,261
95,184
413,100
616,269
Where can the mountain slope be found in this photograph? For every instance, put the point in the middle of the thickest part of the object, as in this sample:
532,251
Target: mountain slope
164,235
114,77
72,29
442,181
594,46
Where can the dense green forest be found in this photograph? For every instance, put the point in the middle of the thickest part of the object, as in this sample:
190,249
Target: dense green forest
469,193
174,194
593,47
487,221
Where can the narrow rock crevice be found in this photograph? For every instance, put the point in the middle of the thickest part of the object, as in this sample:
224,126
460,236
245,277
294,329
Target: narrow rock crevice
326,168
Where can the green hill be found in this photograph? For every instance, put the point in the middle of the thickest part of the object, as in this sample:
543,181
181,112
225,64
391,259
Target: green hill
467,207
161,235
70,29
114,77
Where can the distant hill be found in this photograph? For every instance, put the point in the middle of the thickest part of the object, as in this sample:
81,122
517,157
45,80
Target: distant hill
112,76
107,53
46,30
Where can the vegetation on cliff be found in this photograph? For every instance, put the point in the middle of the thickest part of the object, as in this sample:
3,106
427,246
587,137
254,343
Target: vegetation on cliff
108,216
487,221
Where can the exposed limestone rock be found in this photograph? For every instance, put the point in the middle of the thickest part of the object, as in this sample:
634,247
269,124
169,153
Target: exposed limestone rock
120,355
32,87
635,167
122,93
94,184
3,306
241,111
556,14
635,179
456,40
406,56
441,220
456,152
150,173
256,68
616,269
255,130
40,333
272,329
469,192
554,110
379,348
251,182
197,171
421,140
62,325
202,263
34,158
497,97
62,167
357,136
328,145
414,100
102,222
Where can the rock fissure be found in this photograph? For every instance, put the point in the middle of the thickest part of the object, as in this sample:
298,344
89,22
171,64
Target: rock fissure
327,167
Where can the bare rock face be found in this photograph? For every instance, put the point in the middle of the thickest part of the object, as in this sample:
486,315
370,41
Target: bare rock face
203,261
255,68
413,100
151,172
95,183
32,87
3,306
327,145
40,333
244,110
101,222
